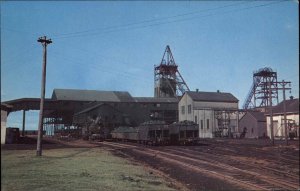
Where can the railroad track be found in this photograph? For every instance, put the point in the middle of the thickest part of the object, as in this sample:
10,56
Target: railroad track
261,175
238,172
244,178
280,161
249,164
235,149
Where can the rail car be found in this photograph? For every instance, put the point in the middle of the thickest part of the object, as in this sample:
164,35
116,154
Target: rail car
158,133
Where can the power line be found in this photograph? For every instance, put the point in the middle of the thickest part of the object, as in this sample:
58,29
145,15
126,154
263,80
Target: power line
168,22
118,28
151,20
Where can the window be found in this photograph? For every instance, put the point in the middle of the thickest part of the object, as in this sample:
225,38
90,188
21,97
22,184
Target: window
201,124
252,130
182,109
196,119
207,123
189,109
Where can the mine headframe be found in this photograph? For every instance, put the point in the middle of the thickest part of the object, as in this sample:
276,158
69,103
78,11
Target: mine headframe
264,86
168,81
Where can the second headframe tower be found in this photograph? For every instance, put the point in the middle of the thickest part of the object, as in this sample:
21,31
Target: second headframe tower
168,82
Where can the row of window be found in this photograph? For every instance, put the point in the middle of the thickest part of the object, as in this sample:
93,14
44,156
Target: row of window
189,109
196,121
201,122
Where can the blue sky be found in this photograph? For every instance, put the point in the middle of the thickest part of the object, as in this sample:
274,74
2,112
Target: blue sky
114,45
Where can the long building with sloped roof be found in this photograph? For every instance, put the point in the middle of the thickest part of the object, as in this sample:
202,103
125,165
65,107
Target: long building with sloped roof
76,109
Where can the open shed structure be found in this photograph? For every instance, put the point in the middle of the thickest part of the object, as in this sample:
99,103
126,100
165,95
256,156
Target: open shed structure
69,111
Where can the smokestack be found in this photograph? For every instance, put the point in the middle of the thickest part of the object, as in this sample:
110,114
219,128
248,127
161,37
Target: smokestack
218,91
197,90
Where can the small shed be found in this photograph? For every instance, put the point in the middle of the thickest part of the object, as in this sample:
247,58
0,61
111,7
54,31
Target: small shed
253,125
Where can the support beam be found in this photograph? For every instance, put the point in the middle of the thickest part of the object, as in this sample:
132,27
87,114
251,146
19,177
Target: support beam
23,124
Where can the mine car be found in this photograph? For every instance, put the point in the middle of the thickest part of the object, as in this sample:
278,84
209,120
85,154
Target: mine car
158,133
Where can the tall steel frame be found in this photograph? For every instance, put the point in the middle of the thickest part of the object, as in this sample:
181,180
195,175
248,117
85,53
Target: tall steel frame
264,80
168,81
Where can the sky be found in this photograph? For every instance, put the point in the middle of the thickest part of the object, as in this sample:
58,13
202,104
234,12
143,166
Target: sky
114,45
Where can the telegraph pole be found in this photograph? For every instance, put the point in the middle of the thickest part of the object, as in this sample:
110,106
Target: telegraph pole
283,88
44,41
283,84
271,113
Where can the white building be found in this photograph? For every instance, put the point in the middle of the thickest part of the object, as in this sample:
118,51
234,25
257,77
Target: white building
292,116
215,112
4,109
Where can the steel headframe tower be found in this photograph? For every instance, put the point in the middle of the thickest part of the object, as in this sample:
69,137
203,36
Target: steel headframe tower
168,82
259,94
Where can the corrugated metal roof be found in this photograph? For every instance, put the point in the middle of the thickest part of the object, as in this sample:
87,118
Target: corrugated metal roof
91,95
155,100
212,96
292,106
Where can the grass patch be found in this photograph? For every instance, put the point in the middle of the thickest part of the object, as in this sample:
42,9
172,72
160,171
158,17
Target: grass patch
74,169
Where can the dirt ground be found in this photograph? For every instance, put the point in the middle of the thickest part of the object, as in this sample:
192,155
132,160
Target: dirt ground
213,164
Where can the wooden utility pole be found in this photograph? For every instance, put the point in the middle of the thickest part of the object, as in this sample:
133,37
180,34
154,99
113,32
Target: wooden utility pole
44,42
284,116
271,114
283,84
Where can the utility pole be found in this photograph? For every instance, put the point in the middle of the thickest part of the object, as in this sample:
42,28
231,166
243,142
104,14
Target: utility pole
271,113
284,115
44,42
283,84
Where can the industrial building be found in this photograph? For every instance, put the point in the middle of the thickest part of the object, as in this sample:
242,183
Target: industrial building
292,119
81,113
216,113
70,109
